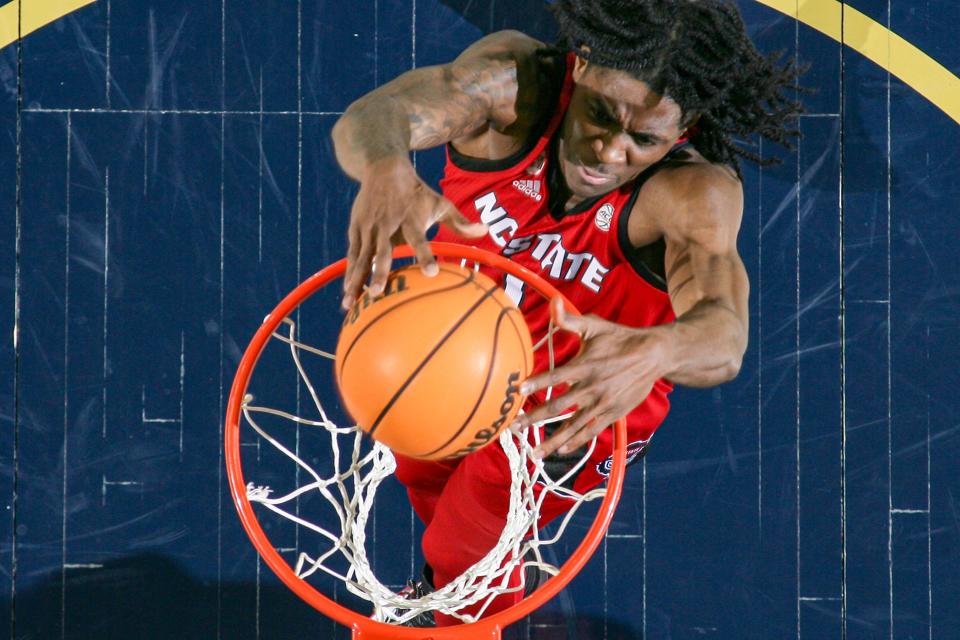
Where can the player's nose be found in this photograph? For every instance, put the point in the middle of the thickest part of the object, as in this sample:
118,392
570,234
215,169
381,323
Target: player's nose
610,149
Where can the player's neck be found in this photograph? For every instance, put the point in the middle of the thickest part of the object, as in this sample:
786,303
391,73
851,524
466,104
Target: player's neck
562,197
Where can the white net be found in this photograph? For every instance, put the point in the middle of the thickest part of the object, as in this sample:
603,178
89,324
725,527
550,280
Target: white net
346,483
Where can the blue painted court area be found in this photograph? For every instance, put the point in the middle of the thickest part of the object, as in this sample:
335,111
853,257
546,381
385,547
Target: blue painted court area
166,176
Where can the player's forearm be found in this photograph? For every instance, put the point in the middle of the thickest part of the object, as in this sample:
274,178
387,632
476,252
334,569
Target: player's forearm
705,345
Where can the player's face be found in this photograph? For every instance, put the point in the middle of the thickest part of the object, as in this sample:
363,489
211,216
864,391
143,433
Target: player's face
615,127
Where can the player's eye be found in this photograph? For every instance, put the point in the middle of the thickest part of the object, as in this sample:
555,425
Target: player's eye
642,139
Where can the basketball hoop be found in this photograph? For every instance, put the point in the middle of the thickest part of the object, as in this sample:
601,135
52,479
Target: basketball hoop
344,486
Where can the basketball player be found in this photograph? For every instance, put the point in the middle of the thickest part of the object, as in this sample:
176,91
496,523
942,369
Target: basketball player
609,166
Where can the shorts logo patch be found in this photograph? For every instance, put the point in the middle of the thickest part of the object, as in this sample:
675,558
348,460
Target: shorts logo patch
603,217
634,450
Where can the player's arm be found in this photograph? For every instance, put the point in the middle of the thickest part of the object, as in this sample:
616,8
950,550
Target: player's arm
706,279
697,208
422,108
430,106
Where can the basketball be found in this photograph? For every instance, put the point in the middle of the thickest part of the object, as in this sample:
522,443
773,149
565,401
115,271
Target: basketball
432,367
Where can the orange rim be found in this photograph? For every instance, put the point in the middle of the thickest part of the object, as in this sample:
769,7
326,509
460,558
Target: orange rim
345,616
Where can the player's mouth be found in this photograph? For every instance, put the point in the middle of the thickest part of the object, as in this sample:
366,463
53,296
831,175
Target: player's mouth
593,177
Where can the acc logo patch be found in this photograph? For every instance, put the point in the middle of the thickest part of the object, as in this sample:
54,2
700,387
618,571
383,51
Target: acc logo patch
603,217
635,450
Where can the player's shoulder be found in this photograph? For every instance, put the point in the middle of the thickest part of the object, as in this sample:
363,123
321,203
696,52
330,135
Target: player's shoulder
692,198
514,57
528,60
525,72
503,45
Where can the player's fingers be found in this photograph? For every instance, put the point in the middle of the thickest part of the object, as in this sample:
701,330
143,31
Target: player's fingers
580,429
348,294
421,248
584,433
358,261
567,321
381,264
559,437
447,214
550,409
567,374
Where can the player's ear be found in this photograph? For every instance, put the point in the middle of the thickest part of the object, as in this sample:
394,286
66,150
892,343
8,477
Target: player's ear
580,64
691,127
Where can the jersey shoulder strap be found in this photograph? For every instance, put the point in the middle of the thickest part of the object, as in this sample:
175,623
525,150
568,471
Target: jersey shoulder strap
646,261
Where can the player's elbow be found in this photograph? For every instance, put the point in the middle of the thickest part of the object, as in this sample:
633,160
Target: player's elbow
344,129
357,114
339,133
731,368
737,347
732,333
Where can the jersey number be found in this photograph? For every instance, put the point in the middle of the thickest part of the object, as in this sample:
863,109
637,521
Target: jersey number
514,288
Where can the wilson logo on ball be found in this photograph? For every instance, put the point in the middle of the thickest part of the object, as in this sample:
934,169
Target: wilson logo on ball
485,435
395,285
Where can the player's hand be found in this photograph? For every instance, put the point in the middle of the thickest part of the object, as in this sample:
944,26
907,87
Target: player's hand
394,206
614,372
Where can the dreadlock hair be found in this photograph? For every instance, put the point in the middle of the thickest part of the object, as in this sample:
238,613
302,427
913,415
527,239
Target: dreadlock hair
698,53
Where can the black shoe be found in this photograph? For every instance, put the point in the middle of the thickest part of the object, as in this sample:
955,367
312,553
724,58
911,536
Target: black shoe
417,589
533,577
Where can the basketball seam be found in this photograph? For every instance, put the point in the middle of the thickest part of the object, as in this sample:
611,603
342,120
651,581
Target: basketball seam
513,307
428,357
464,282
526,365
483,391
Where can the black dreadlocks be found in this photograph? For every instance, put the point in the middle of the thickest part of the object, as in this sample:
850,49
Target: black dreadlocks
698,53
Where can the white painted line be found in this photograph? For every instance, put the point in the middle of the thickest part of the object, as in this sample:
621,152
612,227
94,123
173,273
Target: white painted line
889,350
106,288
117,483
143,410
797,346
260,176
182,112
66,384
107,68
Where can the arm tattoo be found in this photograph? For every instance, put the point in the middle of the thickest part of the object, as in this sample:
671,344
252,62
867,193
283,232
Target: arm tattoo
682,260
428,107
463,101
676,290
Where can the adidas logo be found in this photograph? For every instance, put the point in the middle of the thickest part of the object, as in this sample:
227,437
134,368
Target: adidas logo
529,187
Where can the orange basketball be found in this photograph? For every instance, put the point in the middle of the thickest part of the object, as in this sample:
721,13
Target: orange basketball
432,368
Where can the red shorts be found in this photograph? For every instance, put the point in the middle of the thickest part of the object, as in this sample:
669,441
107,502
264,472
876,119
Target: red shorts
464,503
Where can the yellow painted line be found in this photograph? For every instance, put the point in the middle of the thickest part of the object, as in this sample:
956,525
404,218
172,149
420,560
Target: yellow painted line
891,52
35,14
844,24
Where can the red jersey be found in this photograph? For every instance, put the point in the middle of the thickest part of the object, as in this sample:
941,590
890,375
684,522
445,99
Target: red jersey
585,252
